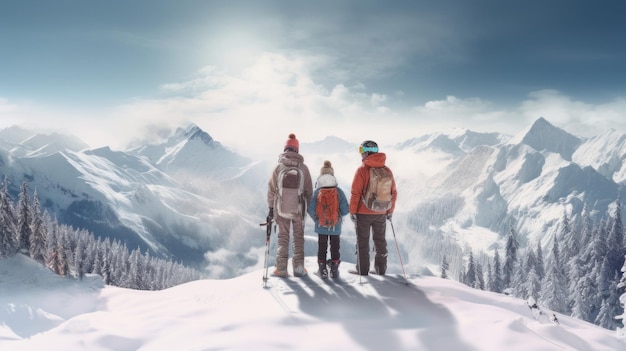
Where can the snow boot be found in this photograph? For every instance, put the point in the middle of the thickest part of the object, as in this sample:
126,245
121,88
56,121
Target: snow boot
282,274
380,264
334,268
300,271
322,272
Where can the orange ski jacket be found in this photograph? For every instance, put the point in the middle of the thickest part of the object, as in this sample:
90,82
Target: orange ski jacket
361,180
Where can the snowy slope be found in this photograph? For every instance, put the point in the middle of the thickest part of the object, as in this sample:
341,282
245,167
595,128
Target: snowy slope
38,310
606,153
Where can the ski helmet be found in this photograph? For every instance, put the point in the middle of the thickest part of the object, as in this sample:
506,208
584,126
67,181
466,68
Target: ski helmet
369,147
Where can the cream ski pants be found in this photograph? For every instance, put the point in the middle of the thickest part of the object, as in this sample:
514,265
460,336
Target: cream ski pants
282,255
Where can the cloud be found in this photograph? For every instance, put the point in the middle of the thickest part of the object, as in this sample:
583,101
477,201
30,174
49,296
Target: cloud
470,113
263,103
577,117
254,109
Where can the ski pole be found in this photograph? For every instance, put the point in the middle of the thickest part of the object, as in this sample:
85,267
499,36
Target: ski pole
268,224
398,249
358,258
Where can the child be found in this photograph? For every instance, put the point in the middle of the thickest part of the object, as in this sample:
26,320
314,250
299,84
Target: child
327,207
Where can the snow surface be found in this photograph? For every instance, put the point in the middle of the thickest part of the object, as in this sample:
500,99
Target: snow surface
42,311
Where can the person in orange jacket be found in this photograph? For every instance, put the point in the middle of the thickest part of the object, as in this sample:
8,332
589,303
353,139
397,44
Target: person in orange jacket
366,219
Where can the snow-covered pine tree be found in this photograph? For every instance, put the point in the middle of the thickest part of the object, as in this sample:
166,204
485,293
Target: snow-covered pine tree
489,276
510,259
530,286
106,261
24,219
609,308
615,241
444,267
586,227
8,236
540,267
470,273
554,292
480,277
582,308
569,237
496,284
622,301
80,257
38,240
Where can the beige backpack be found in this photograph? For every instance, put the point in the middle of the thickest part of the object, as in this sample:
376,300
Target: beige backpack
377,196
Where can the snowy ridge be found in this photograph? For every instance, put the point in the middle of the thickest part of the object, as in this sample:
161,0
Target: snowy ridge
606,153
303,314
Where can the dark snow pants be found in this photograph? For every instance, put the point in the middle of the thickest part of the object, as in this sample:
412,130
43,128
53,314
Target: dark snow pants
377,225
322,247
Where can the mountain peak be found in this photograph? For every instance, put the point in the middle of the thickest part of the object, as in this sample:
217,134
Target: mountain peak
191,132
542,135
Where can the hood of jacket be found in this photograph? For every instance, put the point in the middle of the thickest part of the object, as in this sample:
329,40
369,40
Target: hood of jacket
375,160
326,181
290,158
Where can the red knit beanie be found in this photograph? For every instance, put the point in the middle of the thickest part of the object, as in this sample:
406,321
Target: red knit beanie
292,142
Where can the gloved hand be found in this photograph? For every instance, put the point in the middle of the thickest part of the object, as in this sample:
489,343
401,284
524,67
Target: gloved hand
389,215
353,217
270,214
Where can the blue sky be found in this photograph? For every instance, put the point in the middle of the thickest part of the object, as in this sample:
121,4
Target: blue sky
254,71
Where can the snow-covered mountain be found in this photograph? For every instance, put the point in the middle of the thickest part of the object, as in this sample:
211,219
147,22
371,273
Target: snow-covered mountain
192,199
527,181
173,198
287,314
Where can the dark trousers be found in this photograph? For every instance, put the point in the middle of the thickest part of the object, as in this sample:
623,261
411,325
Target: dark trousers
322,247
376,225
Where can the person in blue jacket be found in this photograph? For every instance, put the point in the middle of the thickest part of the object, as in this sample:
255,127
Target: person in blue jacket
328,232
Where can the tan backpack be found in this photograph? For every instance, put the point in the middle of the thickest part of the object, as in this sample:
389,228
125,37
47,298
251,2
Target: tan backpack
290,201
377,195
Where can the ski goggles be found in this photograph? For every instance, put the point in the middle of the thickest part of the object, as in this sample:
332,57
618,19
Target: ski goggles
364,149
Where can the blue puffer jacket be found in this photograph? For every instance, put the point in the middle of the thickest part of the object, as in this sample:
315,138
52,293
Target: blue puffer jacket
326,181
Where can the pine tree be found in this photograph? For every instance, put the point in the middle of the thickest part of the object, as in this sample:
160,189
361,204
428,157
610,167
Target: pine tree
533,284
510,259
80,257
540,266
569,237
39,237
530,285
622,301
613,310
615,241
496,285
603,279
489,284
106,261
554,293
470,274
583,307
24,220
586,227
607,316
480,278
444,267
136,271
8,236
